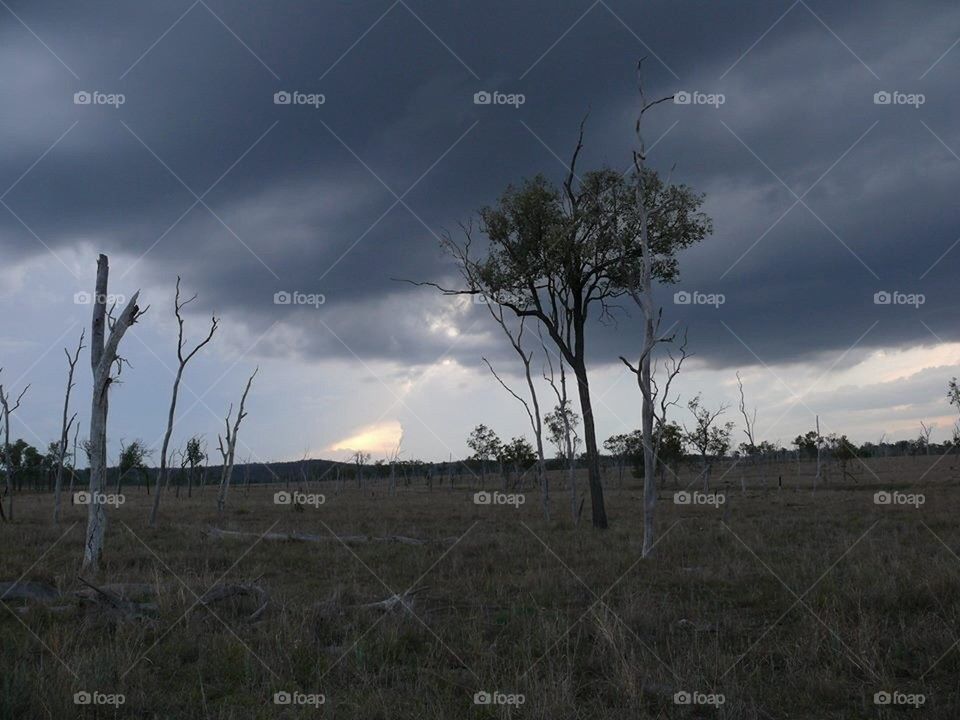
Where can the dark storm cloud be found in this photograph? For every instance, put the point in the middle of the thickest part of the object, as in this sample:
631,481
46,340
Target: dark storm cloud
341,198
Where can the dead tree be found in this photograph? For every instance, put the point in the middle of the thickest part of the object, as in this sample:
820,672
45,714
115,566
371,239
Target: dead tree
653,426
231,440
648,206
533,414
103,357
73,465
749,428
564,414
710,438
182,360
360,458
6,409
925,433
65,428
816,479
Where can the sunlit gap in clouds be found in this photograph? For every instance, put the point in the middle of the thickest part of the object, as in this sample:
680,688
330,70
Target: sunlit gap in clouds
380,438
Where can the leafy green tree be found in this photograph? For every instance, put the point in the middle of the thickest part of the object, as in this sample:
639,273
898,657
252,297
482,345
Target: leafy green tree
517,455
194,456
564,255
670,446
560,421
485,445
807,443
132,461
844,451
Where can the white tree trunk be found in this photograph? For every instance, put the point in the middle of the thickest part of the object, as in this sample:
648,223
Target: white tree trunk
103,355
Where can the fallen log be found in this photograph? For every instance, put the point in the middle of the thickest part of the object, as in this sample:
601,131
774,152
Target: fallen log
121,605
225,592
126,591
396,602
28,590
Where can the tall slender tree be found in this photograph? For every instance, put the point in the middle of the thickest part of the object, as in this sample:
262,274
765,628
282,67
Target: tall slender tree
533,413
668,219
65,427
182,360
228,451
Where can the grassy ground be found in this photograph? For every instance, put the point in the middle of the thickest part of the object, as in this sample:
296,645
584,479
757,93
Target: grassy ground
789,603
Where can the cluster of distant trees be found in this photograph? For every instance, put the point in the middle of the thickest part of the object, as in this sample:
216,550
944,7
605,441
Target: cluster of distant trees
707,440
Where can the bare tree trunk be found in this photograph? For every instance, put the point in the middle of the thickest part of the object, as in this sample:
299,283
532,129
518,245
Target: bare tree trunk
73,467
162,475
647,410
597,509
229,451
65,429
103,355
816,480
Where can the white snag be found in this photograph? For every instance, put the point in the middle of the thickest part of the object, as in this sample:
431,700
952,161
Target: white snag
182,359
229,451
65,429
103,357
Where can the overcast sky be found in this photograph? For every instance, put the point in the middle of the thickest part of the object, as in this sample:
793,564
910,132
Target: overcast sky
183,162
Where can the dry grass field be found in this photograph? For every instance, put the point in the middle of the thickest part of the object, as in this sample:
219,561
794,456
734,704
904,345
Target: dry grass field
781,603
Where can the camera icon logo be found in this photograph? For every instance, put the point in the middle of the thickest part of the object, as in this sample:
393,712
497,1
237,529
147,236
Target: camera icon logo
682,297
681,498
482,698
81,498
882,298
882,98
82,298
882,498
82,98
282,98
82,698
682,97
282,298
282,698
282,498
482,98
482,498
682,697
882,698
